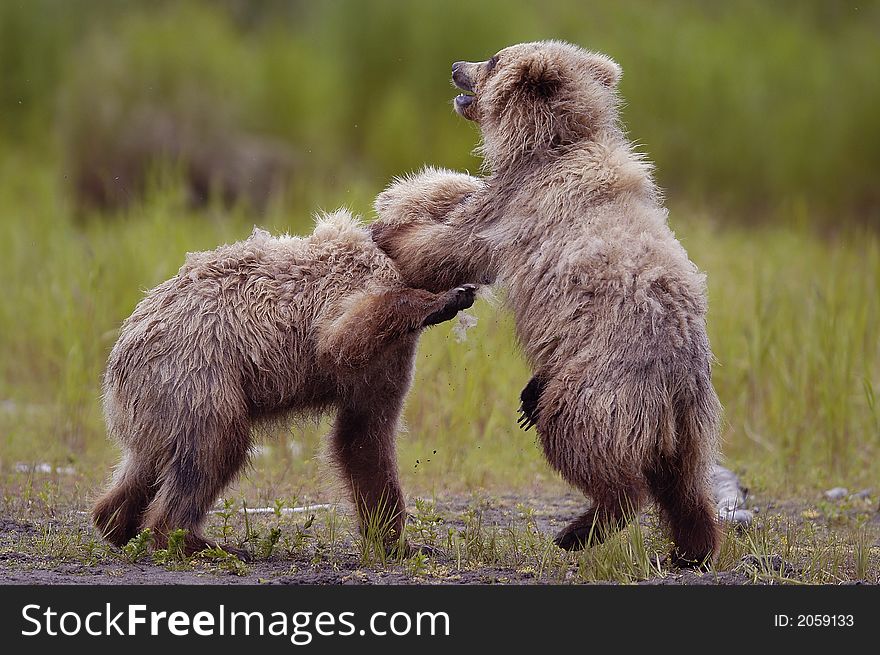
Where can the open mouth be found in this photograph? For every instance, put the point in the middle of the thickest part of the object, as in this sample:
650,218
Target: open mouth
462,100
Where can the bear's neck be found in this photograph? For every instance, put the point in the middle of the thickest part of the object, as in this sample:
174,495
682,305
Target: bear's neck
606,166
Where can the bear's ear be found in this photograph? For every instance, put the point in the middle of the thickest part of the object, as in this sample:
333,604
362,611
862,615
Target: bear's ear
539,78
604,69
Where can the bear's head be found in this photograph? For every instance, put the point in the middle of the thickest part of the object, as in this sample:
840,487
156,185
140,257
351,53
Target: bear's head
536,97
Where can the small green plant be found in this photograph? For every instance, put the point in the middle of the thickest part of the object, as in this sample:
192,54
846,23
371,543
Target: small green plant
301,535
379,541
266,545
175,553
425,523
138,547
224,560
332,529
417,565
226,530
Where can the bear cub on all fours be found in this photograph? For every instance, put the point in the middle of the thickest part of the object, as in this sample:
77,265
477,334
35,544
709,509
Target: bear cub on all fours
609,310
254,331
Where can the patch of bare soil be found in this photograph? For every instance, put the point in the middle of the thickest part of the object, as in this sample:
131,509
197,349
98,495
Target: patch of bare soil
475,539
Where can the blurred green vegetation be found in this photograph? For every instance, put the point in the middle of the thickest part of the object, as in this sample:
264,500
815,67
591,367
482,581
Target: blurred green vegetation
748,107
762,119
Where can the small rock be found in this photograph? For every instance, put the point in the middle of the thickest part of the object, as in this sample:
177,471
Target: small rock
864,494
836,493
43,467
741,517
730,497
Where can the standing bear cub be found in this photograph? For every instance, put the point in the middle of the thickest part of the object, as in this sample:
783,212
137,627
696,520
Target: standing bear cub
609,310
254,331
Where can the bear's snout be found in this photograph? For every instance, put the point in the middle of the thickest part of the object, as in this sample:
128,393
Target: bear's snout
461,77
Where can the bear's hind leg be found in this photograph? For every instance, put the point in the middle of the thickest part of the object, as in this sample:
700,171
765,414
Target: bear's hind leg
612,510
118,514
192,479
567,432
686,507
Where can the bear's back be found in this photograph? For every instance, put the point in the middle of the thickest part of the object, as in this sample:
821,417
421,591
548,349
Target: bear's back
252,305
301,274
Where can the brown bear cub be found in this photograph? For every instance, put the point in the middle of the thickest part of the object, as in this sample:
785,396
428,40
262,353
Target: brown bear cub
255,331
609,310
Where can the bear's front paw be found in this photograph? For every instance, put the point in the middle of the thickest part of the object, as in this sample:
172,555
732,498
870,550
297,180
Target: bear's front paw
457,299
464,296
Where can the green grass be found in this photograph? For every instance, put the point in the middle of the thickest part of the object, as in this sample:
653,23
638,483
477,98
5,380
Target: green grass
793,316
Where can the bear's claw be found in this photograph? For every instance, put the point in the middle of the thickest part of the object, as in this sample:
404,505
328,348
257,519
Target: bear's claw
529,398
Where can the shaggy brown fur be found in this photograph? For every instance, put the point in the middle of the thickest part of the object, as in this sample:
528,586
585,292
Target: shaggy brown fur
250,331
609,310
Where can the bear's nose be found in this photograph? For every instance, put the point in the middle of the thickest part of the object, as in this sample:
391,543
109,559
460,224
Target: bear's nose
456,66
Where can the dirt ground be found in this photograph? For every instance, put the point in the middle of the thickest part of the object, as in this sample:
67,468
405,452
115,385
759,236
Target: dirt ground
476,539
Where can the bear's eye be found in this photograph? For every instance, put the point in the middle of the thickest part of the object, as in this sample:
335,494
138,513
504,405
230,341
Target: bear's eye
491,64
